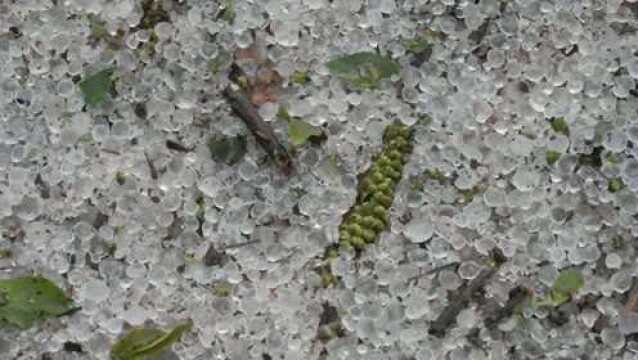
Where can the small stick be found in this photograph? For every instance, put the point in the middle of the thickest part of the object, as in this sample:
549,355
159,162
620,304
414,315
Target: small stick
434,271
517,296
238,245
109,151
262,131
460,301
174,145
151,167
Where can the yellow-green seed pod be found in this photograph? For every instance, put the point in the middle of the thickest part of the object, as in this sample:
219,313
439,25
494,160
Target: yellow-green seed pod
366,210
355,230
386,186
394,175
399,143
377,177
368,221
391,132
384,170
380,211
366,184
369,235
383,161
369,215
355,217
397,165
395,155
327,278
382,199
358,242
347,247
378,225
332,253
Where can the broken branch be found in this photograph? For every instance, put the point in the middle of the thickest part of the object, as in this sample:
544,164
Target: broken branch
262,131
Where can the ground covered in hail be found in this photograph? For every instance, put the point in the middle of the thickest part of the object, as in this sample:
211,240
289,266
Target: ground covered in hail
203,175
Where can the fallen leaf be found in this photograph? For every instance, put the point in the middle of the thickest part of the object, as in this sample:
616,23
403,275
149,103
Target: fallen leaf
97,86
300,77
262,86
551,156
228,150
364,69
25,300
265,86
143,342
227,11
300,131
567,283
559,125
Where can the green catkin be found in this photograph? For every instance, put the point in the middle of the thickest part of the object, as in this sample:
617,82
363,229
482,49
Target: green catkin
369,215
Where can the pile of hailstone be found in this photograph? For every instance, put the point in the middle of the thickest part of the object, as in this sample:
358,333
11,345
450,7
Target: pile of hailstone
532,150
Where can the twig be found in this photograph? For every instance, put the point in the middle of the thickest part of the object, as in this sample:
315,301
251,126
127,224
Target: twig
109,151
238,245
174,145
263,132
216,257
459,301
151,167
434,271
494,316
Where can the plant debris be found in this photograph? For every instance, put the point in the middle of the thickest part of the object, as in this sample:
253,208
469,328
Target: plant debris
25,300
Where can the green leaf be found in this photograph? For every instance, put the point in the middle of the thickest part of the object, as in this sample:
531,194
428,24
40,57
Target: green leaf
300,77
25,300
300,131
568,282
418,44
228,11
613,158
283,114
228,150
615,184
143,342
222,288
560,125
552,156
422,41
96,87
364,69
556,298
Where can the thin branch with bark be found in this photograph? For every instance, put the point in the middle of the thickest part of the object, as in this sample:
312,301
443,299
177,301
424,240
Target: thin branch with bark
262,131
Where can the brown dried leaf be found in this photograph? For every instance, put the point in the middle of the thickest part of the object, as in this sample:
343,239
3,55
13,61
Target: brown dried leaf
264,85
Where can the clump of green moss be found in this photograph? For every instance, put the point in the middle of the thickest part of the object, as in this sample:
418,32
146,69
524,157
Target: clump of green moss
369,215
